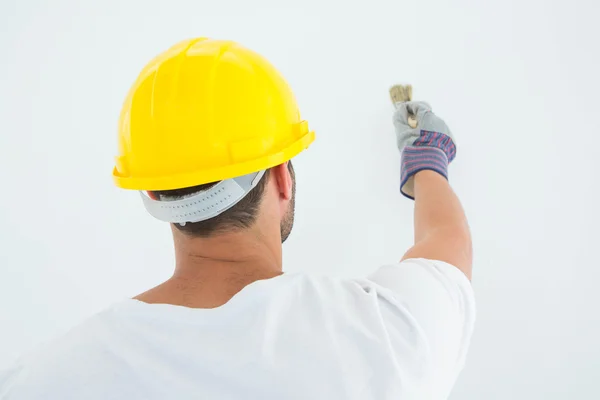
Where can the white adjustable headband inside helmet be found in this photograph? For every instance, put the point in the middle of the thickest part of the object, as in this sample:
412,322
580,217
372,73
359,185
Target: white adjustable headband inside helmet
205,204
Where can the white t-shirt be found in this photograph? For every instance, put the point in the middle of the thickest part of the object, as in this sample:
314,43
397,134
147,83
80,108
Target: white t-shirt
401,333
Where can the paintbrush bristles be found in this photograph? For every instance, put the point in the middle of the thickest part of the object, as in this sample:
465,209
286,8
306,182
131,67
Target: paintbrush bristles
401,93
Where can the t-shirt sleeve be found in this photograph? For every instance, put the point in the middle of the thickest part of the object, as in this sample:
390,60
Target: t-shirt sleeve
436,301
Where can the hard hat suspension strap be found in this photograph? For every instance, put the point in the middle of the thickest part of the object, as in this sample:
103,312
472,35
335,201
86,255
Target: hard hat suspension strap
205,204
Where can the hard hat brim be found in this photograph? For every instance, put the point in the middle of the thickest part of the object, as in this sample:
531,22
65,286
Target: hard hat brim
170,182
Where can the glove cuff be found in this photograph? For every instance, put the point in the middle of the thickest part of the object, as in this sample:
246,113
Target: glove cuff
415,159
437,140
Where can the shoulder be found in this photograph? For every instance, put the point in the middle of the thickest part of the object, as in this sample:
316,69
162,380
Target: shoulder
8,377
437,301
40,372
423,310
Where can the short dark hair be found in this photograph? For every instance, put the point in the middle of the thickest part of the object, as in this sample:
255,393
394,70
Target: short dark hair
242,215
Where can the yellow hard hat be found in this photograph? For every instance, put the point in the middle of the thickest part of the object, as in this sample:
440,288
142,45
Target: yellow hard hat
205,111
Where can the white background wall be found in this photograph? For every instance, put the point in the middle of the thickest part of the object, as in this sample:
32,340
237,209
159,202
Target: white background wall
515,80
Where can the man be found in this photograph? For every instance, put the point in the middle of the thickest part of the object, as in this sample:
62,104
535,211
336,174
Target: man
206,135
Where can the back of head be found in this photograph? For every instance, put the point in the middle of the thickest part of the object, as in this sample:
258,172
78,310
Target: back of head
242,215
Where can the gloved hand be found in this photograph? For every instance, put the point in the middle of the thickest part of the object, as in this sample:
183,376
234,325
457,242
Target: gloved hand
428,146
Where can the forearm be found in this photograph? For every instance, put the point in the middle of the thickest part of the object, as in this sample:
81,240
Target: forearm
436,205
441,229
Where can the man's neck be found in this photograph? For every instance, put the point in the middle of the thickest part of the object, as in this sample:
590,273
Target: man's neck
210,271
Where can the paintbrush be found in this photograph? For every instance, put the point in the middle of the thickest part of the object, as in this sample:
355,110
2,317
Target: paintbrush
402,94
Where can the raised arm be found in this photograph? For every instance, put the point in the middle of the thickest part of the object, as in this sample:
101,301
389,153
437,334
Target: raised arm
426,303
441,230
427,148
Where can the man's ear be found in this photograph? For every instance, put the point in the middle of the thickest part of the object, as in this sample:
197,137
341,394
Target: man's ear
284,180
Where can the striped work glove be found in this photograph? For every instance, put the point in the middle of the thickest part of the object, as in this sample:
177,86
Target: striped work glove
428,146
